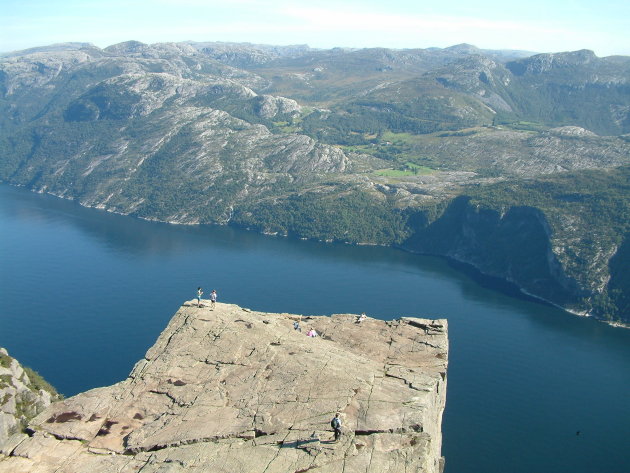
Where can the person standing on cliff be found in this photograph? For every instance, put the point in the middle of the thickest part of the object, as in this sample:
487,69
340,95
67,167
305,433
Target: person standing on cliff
213,298
335,423
199,294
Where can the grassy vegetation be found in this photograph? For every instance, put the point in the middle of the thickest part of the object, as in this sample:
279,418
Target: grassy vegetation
401,150
286,127
522,125
37,383
5,360
5,381
291,124
407,169
393,173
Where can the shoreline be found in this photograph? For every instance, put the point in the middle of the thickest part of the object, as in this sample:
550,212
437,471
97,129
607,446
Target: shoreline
616,324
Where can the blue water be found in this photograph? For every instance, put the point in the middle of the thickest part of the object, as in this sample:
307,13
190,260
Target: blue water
84,293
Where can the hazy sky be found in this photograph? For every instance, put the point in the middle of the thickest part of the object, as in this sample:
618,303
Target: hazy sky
534,25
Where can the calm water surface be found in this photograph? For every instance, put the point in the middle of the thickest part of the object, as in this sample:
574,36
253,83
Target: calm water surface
84,294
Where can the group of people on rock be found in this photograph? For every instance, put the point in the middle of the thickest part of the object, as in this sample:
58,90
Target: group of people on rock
213,297
311,332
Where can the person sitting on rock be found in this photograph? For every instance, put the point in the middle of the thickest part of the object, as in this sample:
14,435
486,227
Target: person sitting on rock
361,318
311,333
296,326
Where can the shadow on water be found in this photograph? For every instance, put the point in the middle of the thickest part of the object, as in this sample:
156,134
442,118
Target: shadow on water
493,283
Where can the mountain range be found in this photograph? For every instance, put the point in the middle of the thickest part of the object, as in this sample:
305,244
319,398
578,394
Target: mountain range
516,163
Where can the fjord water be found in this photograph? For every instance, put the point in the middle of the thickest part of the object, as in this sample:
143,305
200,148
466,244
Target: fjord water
84,293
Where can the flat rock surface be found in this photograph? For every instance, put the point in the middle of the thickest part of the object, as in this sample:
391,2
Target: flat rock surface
233,390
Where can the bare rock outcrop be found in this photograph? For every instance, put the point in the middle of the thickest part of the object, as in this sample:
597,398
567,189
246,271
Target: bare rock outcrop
234,390
268,106
22,397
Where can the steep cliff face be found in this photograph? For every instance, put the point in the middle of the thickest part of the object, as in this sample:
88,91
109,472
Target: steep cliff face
617,286
22,397
229,389
516,245
562,238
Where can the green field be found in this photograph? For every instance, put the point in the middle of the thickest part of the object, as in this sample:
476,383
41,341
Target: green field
408,169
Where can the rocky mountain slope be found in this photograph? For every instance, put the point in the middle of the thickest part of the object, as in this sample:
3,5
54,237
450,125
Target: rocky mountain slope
363,146
23,395
233,390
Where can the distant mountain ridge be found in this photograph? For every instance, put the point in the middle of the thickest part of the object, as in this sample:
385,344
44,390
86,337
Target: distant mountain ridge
397,147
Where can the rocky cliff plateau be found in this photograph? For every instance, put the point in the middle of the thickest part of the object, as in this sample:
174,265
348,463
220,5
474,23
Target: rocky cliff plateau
233,390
